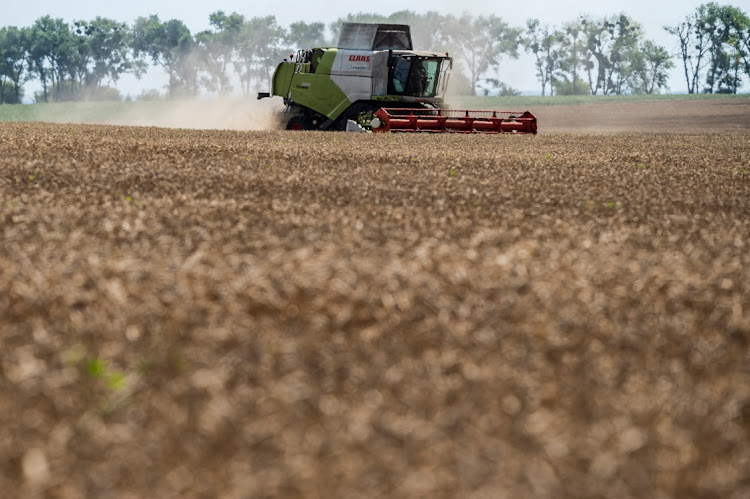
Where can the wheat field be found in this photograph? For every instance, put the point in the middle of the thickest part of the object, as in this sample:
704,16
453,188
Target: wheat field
262,313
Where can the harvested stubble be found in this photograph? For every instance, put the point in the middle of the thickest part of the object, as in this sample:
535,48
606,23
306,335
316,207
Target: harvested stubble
266,313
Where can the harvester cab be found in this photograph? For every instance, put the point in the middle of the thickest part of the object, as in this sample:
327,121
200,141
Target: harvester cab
376,79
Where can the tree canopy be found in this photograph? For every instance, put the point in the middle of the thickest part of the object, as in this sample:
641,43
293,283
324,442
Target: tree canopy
605,55
714,48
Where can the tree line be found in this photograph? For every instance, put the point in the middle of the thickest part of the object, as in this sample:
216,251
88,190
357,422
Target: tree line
609,55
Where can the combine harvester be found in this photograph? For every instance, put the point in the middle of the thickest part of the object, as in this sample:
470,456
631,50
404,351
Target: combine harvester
374,80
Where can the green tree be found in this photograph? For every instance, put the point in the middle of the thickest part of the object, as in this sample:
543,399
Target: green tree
611,41
76,78
574,58
745,49
15,69
563,86
724,27
545,44
481,43
694,46
54,55
301,35
210,53
713,42
170,45
217,48
8,93
650,64
258,50
106,51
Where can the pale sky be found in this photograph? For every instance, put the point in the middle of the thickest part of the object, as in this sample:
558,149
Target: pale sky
519,74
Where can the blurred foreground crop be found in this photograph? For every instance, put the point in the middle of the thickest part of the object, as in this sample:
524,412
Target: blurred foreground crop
251,314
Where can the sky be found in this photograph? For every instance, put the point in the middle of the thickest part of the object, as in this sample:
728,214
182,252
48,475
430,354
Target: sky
653,15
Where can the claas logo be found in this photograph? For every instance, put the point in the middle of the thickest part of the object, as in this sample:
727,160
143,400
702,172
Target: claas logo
359,58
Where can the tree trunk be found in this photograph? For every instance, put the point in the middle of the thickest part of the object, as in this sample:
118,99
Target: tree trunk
171,84
697,68
43,77
687,75
575,64
474,76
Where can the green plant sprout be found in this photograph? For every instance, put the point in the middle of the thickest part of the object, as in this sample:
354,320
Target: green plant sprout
97,369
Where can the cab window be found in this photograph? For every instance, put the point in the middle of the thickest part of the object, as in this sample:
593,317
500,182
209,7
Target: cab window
401,75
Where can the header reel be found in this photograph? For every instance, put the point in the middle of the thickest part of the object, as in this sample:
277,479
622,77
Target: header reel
452,121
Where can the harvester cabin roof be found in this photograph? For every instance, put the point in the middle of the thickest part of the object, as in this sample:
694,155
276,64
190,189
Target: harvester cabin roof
362,36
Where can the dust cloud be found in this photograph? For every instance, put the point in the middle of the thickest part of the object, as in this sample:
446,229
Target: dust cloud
224,113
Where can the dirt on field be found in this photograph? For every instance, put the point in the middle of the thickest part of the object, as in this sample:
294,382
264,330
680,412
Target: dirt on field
255,314
685,116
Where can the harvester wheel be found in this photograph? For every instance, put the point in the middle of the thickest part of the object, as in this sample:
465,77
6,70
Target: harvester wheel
299,122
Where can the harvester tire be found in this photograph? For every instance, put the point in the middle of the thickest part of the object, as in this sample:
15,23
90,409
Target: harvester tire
299,122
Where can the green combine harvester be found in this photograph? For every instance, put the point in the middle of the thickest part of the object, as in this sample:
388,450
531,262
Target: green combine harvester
374,80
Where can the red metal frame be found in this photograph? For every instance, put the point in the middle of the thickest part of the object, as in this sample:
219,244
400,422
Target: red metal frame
454,121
